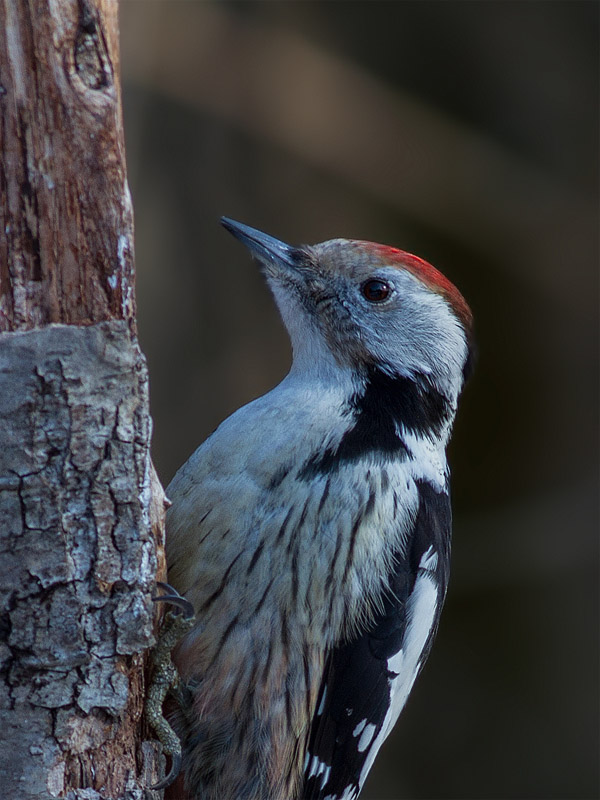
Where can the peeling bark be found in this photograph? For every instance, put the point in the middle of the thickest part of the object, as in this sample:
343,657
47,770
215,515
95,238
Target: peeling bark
81,509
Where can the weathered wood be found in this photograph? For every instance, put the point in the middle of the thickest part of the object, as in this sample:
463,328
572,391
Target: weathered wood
78,558
81,510
66,243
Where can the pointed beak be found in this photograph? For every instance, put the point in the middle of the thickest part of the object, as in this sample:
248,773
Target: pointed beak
267,249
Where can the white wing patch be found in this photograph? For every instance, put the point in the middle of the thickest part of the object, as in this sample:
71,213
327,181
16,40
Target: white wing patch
366,737
318,768
429,560
421,609
322,703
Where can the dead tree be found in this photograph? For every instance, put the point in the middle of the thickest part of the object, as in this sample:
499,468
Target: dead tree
78,553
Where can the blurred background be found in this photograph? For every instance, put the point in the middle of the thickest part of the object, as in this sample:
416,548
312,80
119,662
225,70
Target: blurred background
467,133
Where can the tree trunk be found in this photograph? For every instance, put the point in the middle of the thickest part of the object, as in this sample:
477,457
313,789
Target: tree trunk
81,512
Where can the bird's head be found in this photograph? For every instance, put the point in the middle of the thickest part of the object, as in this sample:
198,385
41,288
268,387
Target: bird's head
357,306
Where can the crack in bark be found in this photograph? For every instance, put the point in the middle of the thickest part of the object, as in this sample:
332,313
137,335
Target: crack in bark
71,491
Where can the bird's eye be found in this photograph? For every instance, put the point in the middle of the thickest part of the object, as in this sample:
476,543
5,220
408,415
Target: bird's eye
376,290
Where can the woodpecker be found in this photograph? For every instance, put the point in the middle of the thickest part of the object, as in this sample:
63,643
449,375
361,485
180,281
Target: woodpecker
311,530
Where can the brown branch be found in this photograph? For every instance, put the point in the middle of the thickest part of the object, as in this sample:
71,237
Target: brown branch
66,249
81,511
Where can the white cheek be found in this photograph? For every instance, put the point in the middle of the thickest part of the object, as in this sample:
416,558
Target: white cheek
420,334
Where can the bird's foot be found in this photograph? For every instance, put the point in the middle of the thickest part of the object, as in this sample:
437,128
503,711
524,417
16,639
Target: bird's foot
164,675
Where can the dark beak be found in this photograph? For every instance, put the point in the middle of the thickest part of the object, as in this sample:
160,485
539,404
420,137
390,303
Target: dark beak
265,248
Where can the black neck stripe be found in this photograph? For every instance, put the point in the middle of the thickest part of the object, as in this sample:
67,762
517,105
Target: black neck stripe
385,405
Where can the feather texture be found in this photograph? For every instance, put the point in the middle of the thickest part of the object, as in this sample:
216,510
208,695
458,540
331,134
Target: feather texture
311,531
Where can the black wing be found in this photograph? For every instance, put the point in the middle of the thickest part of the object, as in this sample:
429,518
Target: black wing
367,680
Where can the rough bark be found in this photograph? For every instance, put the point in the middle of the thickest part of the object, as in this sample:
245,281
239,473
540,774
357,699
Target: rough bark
81,511
78,557
67,250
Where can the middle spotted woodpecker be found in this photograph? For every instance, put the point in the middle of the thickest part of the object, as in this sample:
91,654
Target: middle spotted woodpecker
311,530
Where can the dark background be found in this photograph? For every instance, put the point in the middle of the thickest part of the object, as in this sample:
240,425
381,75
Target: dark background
465,132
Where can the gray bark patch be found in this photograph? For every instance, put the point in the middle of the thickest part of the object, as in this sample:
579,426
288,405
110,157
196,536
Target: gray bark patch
77,553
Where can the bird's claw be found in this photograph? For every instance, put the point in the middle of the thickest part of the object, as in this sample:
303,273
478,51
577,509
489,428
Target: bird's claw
165,677
173,597
171,775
